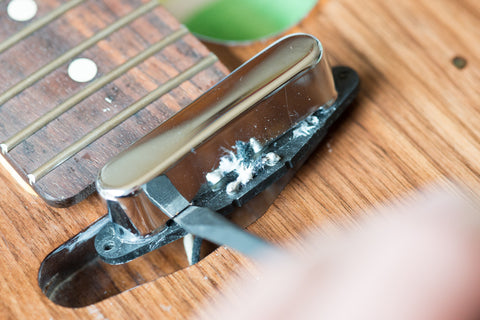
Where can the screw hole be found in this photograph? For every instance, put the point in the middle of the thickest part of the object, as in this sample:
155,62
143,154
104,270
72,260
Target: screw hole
459,62
108,246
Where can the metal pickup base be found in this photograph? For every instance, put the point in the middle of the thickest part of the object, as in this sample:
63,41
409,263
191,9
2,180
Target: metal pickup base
116,245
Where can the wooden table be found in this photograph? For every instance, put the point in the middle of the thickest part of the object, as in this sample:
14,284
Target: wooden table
416,120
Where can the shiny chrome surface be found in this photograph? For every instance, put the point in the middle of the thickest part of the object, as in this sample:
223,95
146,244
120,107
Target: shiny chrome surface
263,98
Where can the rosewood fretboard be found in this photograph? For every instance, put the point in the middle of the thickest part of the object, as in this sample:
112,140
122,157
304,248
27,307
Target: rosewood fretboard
57,133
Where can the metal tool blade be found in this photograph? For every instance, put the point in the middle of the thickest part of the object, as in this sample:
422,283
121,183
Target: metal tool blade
212,226
204,222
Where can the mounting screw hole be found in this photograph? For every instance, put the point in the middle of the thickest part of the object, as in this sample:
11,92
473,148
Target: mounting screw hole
459,62
108,246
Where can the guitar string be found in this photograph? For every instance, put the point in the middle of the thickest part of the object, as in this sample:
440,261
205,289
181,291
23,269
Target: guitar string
123,115
54,113
38,24
64,58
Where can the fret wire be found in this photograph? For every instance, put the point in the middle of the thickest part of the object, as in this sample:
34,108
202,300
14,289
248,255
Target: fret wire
64,58
54,113
123,115
38,24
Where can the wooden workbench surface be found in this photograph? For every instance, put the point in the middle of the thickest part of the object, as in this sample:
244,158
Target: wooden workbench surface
415,121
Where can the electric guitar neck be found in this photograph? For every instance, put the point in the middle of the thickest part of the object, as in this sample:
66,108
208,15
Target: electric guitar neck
62,117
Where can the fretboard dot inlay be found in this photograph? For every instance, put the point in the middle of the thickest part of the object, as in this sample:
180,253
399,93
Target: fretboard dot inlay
82,70
22,10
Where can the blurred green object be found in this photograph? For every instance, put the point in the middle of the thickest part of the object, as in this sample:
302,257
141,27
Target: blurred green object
246,20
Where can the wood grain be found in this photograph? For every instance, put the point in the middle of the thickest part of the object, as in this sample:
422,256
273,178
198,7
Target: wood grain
73,180
414,122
